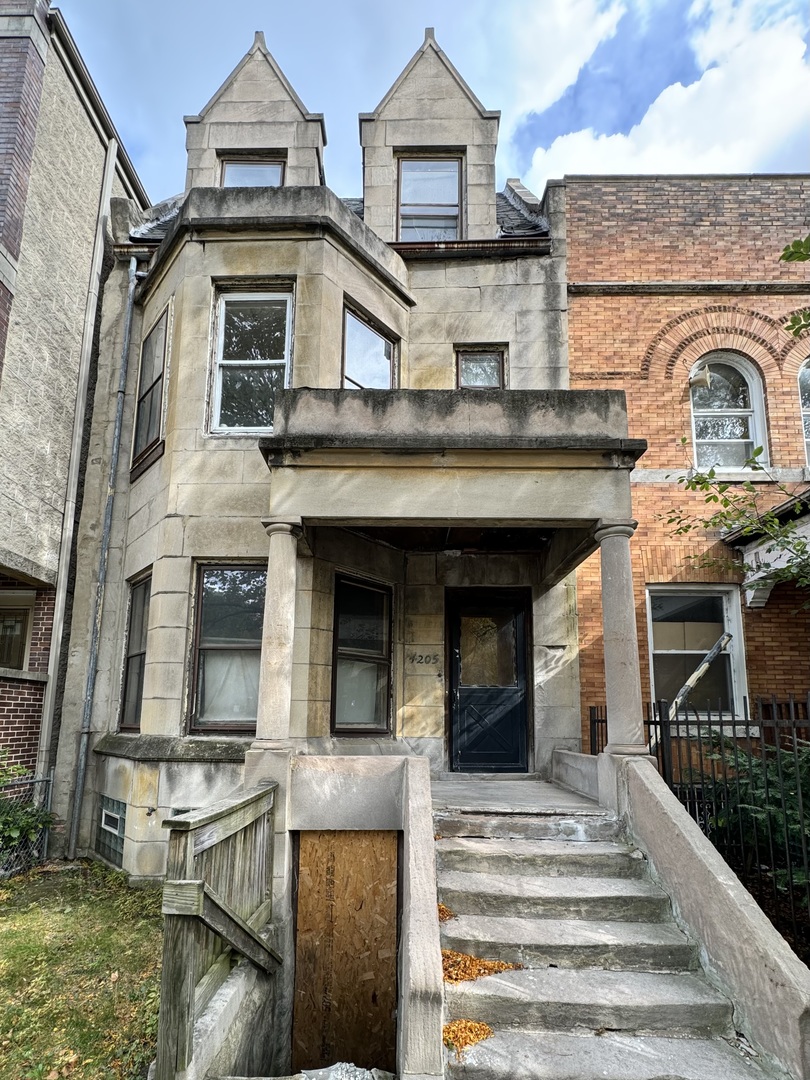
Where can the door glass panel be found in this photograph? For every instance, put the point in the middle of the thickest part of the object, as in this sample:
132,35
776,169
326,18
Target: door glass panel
487,647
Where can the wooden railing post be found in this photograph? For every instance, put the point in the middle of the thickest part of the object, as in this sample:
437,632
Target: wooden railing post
178,978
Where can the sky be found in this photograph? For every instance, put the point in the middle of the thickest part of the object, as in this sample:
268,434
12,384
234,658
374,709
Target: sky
584,86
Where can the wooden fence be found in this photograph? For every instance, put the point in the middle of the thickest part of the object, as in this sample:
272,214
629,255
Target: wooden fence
216,898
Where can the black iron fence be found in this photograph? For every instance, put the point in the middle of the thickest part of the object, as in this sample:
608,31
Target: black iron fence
745,779
25,820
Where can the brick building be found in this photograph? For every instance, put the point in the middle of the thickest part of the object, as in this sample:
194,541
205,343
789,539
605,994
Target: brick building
667,275
60,162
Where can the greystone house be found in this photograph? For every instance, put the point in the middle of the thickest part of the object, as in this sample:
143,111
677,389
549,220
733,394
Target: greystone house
351,483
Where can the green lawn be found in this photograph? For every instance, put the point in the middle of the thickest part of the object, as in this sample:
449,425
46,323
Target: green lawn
79,975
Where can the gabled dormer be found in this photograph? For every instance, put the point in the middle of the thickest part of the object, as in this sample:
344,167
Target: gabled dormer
429,156
255,131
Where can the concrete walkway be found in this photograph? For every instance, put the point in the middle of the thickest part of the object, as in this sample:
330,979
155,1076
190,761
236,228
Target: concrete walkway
467,795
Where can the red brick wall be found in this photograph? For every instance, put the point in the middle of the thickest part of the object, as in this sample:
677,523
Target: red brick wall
681,229
21,700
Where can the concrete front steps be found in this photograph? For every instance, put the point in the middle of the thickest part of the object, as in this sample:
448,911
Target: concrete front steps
610,987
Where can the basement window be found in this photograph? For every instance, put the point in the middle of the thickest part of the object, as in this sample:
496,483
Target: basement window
112,816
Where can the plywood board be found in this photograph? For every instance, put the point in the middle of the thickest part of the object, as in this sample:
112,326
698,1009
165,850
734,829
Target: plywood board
346,950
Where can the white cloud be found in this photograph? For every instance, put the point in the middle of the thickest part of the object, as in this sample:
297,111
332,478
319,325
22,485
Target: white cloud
750,105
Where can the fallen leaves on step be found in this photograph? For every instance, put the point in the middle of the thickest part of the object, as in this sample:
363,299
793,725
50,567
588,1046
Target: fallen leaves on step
445,913
459,1034
460,967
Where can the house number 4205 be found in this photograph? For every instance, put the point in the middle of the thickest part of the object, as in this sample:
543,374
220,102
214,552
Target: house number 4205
423,658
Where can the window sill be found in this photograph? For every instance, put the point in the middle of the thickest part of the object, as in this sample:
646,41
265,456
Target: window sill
23,676
146,460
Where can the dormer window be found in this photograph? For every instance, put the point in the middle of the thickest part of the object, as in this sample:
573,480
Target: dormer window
257,173
429,199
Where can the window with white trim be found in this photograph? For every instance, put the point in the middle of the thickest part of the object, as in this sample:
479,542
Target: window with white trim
16,624
252,361
429,199
804,396
685,622
728,415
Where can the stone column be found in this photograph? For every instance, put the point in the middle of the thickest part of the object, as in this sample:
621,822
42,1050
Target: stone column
625,715
275,681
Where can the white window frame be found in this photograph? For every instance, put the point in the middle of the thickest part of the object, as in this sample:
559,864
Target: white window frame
759,435
805,412
223,299
732,622
21,598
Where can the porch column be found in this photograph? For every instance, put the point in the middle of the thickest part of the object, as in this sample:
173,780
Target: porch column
275,679
625,716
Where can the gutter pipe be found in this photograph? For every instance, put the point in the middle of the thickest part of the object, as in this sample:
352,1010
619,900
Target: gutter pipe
79,413
92,670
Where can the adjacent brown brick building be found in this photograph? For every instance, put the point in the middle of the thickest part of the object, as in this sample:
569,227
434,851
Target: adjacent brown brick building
666,275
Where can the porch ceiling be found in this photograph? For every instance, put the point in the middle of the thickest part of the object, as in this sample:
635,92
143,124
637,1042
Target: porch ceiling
459,538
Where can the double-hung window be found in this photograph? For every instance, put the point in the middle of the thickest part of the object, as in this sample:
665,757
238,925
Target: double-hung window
368,355
16,624
804,394
362,657
429,198
685,623
136,655
728,414
253,359
230,611
149,407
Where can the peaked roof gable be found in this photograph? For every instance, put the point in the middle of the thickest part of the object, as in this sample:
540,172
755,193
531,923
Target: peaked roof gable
430,44
259,46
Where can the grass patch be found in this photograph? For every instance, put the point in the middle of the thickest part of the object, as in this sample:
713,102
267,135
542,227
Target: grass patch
79,975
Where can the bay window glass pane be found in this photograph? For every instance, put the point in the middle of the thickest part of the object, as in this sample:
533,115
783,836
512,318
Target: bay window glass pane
252,174
254,330
133,691
361,694
147,424
228,686
487,648
480,370
232,605
248,395
368,356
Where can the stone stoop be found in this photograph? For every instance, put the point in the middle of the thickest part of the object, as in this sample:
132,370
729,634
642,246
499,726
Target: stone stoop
610,986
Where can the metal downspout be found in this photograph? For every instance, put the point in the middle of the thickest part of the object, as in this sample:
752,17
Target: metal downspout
80,411
90,686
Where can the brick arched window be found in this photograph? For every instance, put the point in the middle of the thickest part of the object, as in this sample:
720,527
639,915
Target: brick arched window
804,395
728,415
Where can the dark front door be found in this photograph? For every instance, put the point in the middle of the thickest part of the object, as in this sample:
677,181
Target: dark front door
488,695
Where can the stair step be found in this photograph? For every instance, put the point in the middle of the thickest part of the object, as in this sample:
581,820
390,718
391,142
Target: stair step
532,857
623,899
529,826
633,946
551,1056
553,999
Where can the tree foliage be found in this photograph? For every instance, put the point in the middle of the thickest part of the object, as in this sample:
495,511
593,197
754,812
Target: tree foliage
798,251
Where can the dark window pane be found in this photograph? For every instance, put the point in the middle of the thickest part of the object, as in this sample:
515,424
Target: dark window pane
479,370
487,648
671,672
248,395
251,174
368,356
362,620
687,607
232,606
138,618
254,330
728,390
361,694
429,182
13,636
133,691
147,424
153,354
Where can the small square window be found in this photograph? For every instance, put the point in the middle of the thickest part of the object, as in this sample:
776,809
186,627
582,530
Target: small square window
149,407
480,369
230,614
110,825
368,356
429,199
252,363
252,173
136,656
